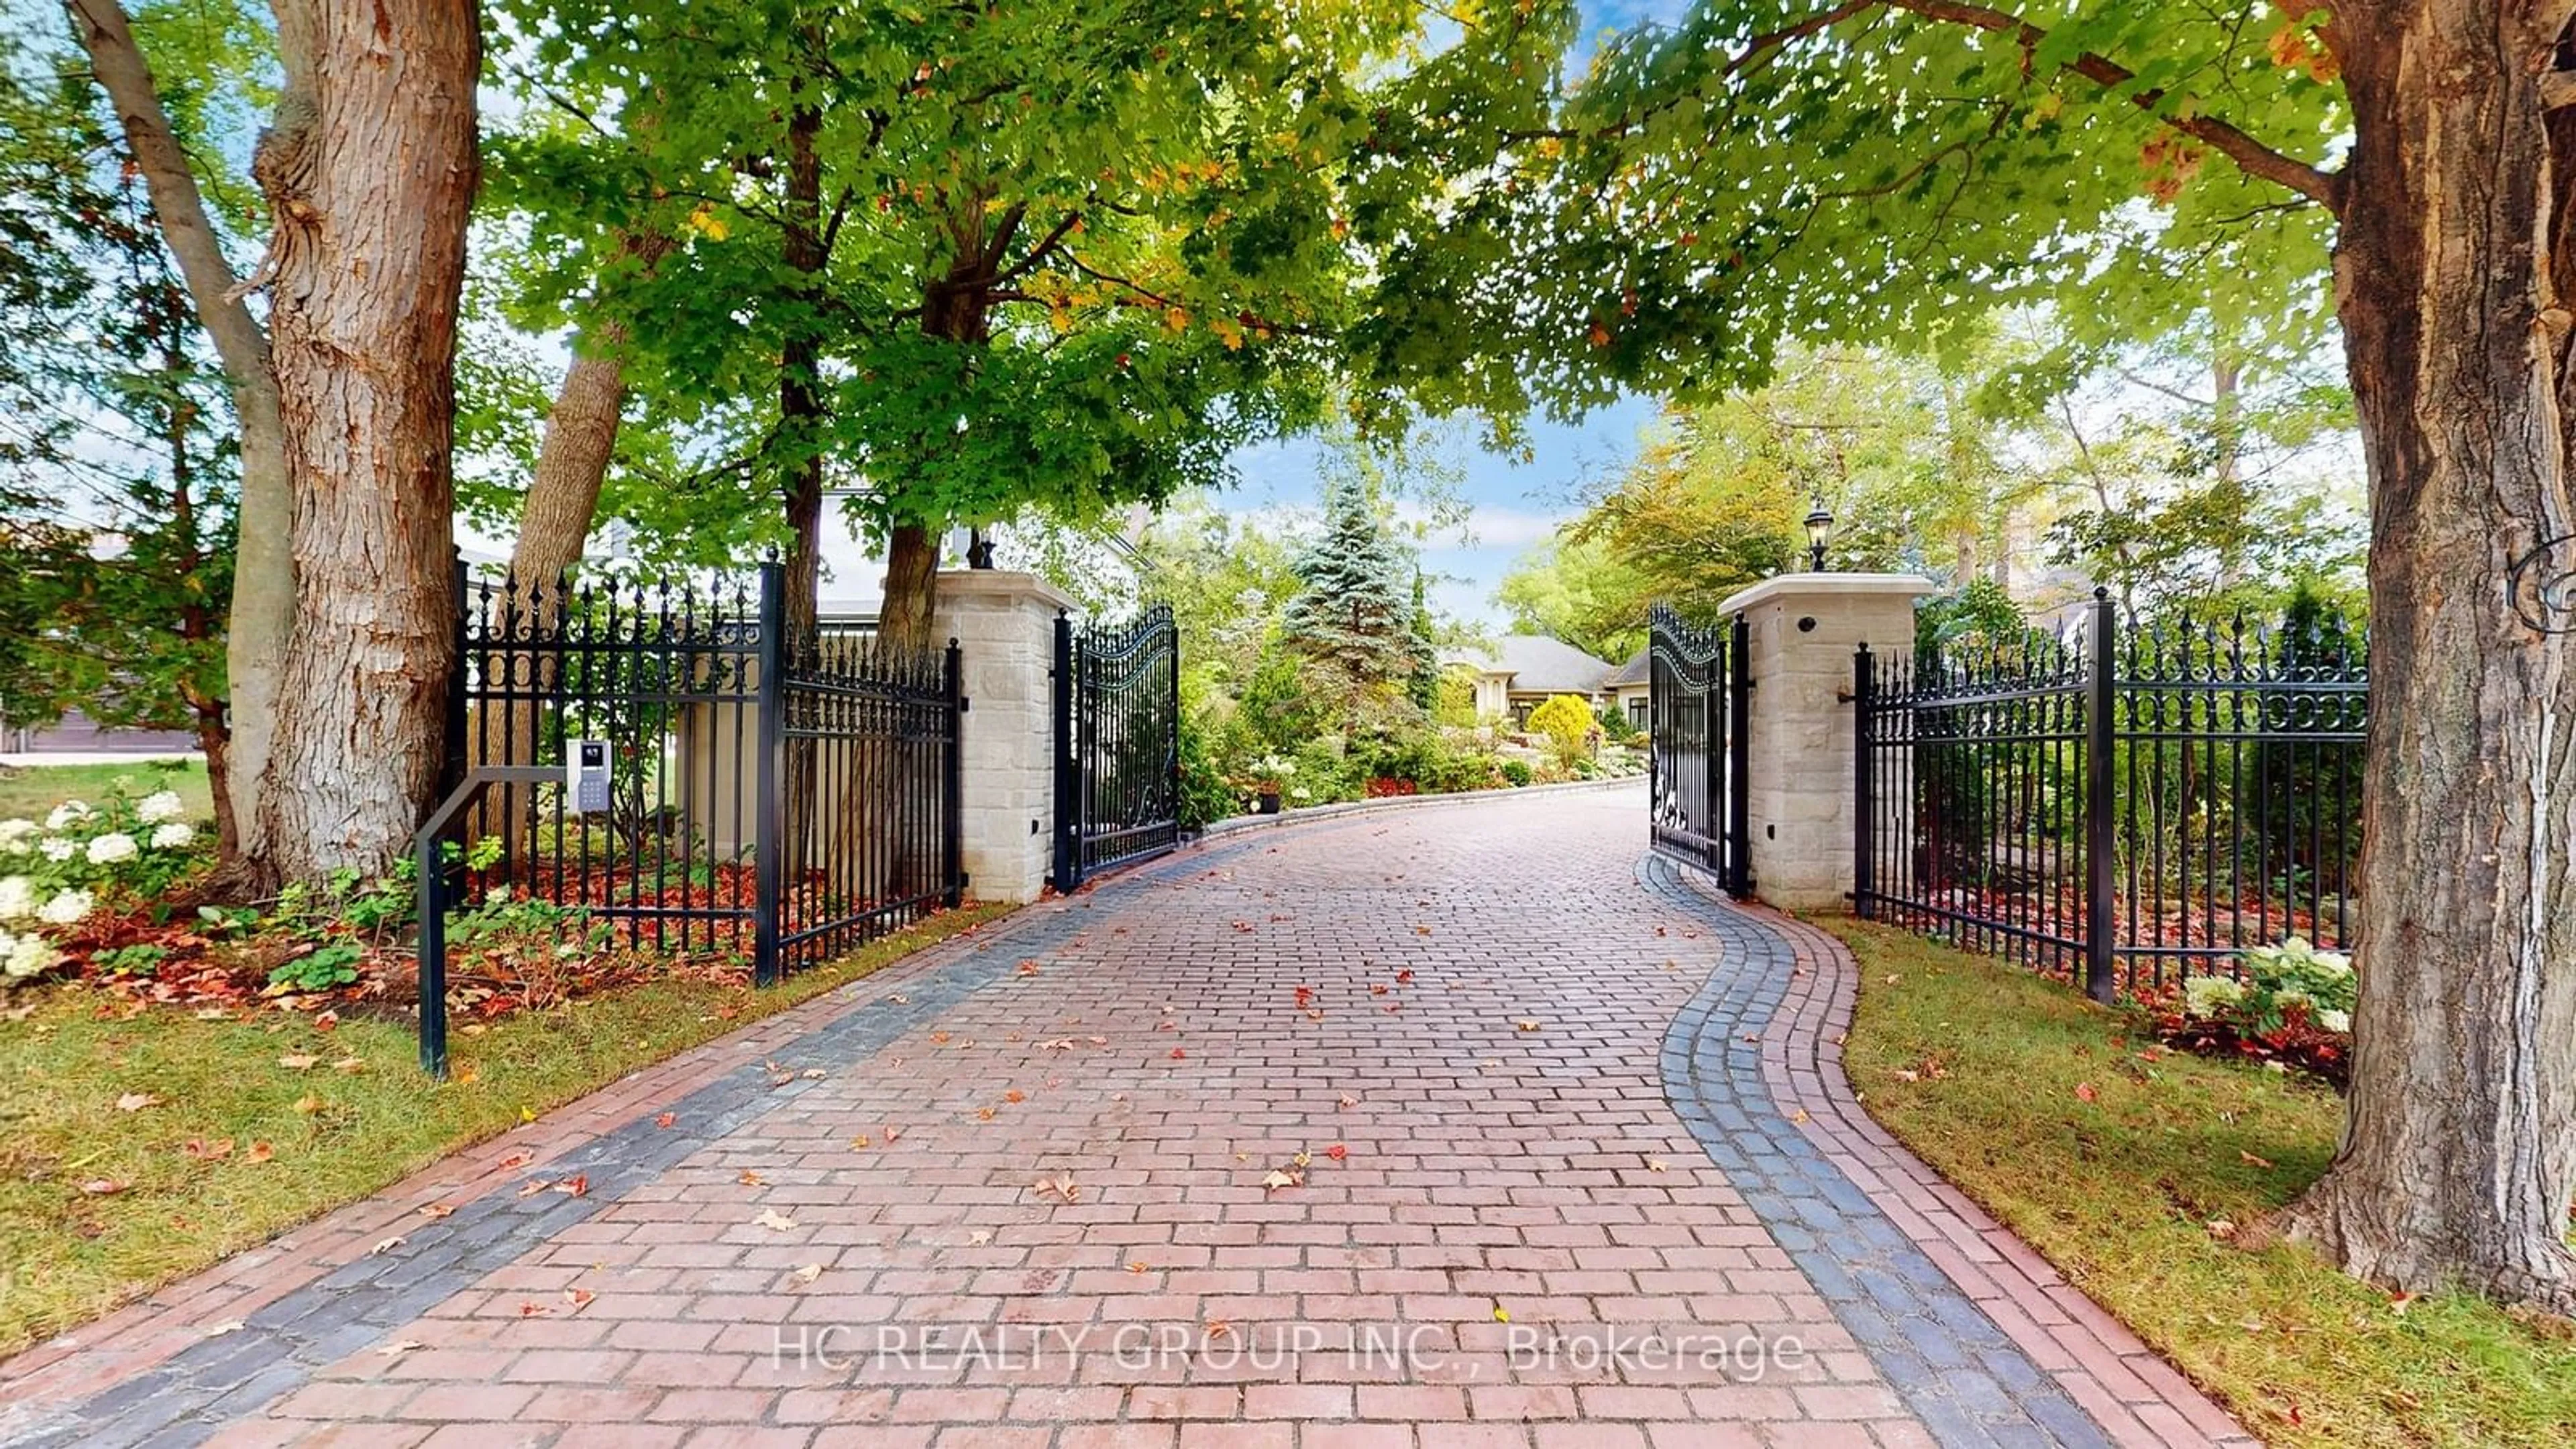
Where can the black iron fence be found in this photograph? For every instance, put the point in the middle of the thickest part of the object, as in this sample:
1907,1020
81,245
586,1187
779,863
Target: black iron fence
1699,683
1117,743
2127,804
776,796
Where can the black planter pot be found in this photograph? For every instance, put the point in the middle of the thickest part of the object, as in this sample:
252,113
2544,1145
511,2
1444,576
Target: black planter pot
1269,802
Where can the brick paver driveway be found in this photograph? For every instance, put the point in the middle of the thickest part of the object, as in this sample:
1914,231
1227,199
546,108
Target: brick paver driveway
1446,1126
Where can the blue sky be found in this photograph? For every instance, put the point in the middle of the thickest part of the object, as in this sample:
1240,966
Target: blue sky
1515,504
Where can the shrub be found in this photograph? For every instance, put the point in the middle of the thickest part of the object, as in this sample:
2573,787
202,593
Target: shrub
1205,794
2294,975
1326,772
1426,758
1567,722
55,872
1516,773
1455,702
2291,1006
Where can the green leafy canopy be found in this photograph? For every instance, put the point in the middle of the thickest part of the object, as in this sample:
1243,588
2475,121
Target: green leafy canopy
1770,171
1069,252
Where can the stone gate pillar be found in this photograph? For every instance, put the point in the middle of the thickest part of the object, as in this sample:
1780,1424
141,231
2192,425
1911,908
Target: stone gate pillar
1804,630
1004,624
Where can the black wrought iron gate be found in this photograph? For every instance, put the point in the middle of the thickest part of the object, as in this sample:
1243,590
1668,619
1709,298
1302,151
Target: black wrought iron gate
1117,743
1700,684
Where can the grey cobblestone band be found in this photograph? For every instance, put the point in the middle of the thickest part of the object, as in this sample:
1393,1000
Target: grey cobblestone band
1959,1372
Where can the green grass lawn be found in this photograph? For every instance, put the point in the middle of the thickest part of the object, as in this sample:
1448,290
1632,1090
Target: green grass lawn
2120,1192
68,1255
27,793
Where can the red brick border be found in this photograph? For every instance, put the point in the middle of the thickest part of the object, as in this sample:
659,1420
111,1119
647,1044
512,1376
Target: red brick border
2127,1387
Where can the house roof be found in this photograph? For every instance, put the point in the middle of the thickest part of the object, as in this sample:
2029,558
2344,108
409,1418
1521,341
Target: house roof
1538,664
1631,673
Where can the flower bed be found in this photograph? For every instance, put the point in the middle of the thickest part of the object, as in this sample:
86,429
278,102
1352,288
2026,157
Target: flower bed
85,897
2290,1006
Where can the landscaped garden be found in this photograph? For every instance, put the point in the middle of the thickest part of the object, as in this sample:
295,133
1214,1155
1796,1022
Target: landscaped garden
1312,667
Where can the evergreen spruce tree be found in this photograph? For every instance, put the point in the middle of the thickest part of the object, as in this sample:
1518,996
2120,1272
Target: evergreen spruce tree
1354,621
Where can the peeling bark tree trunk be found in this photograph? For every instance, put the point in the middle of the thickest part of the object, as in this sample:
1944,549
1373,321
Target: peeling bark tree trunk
2459,1155
370,171
263,600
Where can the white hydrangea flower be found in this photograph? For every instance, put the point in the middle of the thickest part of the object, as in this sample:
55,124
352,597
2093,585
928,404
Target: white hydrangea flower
24,956
68,814
18,832
2335,1020
58,850
69,908
177,835
17,898
157,809
113,848
2204,996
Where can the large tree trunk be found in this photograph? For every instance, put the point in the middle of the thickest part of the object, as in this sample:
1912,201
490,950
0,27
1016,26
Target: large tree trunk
908,620
572,459
263,600
2459,1155
956,307
800,385
801,418
370,170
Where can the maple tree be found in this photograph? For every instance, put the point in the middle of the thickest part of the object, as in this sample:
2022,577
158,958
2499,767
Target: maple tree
1772,169
946,263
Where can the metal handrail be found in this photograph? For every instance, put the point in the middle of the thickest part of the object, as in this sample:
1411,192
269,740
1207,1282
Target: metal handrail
433,899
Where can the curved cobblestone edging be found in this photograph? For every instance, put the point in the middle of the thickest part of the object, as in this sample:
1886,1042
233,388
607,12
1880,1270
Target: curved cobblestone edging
1219,832
1987,1343
165,1371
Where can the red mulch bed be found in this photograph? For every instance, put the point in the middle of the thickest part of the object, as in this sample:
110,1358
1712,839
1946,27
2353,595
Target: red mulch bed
204,971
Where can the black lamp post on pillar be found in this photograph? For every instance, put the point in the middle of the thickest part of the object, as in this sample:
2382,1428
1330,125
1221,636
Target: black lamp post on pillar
1820,531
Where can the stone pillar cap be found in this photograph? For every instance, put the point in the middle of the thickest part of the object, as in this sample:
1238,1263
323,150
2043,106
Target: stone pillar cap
1001,583
1905,586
